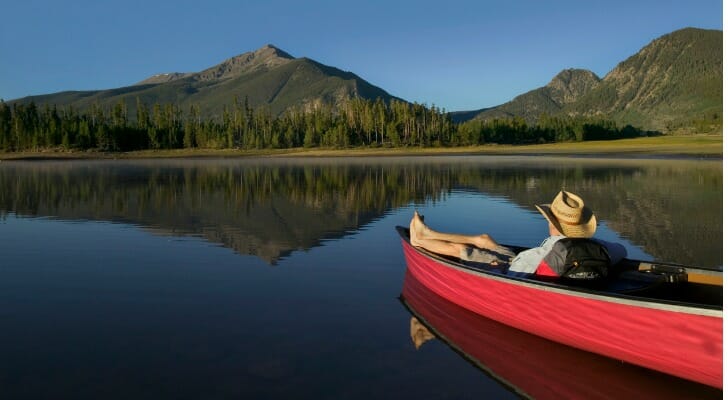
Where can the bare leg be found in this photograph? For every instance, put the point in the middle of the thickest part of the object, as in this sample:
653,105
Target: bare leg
423,232
437,246
436,242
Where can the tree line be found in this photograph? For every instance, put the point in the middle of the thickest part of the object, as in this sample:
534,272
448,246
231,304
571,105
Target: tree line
353,123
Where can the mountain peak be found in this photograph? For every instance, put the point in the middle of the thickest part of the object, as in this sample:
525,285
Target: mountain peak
566,87
266,57
570,84
572,75
272,49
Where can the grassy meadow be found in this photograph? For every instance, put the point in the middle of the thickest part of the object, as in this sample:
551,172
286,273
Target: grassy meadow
689,146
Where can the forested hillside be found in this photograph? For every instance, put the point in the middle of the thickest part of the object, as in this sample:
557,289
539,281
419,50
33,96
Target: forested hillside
672,85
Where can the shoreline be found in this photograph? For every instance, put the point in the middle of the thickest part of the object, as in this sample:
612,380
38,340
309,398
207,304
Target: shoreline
710,147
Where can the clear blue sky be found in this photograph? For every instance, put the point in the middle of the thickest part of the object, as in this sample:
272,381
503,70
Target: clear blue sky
459,55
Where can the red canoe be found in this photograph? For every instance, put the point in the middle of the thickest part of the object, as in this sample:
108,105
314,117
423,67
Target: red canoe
660,316
535,367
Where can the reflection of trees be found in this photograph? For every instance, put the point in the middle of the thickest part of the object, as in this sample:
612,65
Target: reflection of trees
672,208
266,210
269,208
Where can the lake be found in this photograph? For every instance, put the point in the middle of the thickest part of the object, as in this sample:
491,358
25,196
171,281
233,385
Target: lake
281,278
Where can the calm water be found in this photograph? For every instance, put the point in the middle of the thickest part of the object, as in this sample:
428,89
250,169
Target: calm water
282,278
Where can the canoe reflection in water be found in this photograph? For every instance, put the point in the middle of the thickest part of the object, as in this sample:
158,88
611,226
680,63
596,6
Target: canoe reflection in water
532,366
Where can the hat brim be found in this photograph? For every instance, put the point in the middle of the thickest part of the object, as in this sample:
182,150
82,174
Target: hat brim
583,230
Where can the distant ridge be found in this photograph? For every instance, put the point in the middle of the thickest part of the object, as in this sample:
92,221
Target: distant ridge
565,88
268,77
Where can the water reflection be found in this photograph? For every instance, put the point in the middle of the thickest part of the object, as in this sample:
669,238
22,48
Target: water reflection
529,365
269,208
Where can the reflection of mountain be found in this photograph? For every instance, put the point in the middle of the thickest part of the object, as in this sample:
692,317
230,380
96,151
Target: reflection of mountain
532,366
262,208
269,208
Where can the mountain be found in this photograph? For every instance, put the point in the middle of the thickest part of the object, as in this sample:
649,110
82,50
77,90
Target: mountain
565,88
267,77
674,84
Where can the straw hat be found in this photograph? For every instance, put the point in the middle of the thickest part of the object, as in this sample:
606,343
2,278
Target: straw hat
569,215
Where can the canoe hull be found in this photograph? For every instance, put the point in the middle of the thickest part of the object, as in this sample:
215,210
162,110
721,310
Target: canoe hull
535,367
674,340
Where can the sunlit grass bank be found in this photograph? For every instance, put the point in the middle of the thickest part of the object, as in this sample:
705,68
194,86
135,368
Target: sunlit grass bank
695,146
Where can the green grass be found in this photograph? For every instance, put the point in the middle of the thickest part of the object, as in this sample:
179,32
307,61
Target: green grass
661,145
697,146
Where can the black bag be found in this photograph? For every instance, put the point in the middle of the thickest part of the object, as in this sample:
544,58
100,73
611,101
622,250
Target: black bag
577,259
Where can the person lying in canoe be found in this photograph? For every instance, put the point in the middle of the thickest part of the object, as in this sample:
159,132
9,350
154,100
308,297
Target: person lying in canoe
567,217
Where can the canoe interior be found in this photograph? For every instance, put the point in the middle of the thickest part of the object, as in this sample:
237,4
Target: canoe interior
663,282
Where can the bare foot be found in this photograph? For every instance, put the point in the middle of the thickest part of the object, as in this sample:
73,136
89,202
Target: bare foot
418,224
412,232
416,230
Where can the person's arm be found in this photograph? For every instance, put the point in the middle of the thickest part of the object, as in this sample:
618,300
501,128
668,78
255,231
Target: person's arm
527,261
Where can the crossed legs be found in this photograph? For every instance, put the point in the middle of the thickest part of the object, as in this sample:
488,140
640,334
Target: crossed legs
450,244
